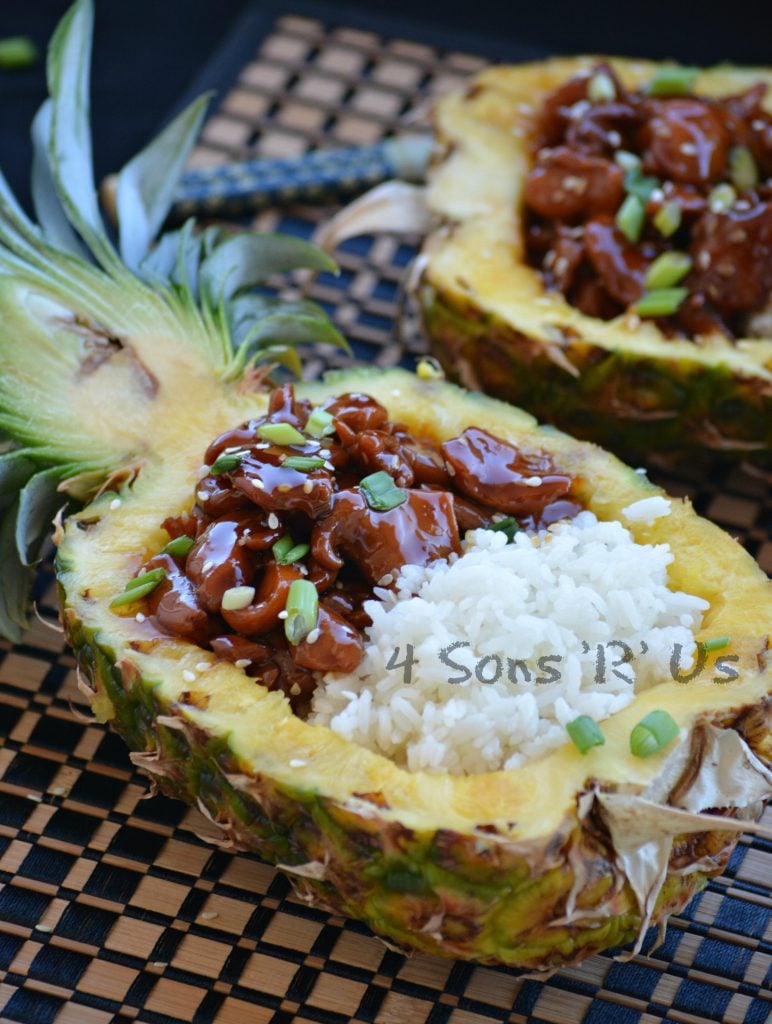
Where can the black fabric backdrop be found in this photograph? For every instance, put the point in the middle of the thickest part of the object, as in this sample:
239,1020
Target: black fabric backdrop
148,53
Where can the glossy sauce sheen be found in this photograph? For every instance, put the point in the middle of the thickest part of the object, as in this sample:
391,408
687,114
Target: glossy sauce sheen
467,482
685,146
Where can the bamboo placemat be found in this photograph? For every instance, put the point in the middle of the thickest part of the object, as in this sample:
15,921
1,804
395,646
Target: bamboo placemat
113,909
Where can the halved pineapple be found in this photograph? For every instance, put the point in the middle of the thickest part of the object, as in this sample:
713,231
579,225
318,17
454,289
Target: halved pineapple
494,325
120,384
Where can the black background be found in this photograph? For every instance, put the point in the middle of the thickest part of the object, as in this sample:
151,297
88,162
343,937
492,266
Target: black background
149,53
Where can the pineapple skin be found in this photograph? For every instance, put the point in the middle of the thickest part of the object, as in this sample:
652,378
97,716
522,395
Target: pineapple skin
493,326
621,401
493,904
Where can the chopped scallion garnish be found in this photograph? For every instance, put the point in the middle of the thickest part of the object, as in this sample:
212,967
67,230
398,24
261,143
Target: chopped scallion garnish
667,269
139,587
381,493
667,220
640,185
226,463
585,733
652,733
280,433
17,52
601,88
722,198
673,81
626,160
716,643
742,168
660,302
179,547
304,463
509,526
320,423
302,610
630,217
286,551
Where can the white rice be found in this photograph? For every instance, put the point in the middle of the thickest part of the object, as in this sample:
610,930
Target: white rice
561,596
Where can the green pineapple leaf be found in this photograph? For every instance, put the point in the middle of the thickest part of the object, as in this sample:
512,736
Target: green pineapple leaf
147,183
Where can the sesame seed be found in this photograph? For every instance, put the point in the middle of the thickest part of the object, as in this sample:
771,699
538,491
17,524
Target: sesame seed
532,481
208,915
313,636
295,690
36,798
188,676
329,465
385,580
451,470
43,927
242,663
296,762
575,183
139,617
207,566
703,260
202,471
657,195
758,124
258,484
58,791
115,503
615,139
688,149
202,666
202,495
307,487
160,963
284,614
273,521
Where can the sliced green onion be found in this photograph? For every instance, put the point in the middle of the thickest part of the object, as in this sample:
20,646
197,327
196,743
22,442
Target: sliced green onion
722,198
282,546
286,551
717,643
626,160
280,433
179,547
667,269
660,302
429,369
17,52
640,185
585,733
319,423
226,463
381,493
236,598
601,88
630,217
742,168
302,610
139,587
303,462
667,219
652,733
509,526
673,81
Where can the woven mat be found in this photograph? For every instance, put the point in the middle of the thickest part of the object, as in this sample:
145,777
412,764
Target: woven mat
113,909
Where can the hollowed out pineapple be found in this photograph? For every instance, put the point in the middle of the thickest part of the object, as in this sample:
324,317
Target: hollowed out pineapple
116,379
493,324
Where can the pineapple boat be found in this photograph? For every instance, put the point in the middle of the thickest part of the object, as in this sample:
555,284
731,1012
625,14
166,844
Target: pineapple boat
471,681
599,248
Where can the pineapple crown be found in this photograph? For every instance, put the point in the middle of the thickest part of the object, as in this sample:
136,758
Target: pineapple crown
81,306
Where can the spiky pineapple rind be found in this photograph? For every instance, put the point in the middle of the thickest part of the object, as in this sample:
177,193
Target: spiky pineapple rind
631,403
473,896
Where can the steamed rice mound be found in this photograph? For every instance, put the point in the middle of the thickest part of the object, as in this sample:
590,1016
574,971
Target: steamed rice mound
509,643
